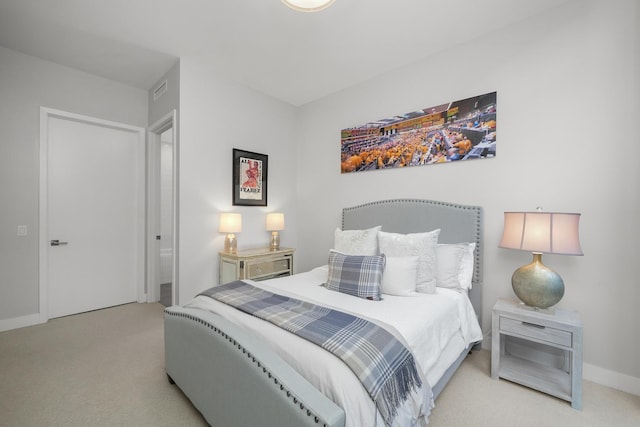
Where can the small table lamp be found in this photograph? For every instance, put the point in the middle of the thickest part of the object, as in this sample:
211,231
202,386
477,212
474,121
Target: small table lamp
275,223
230,223
540,232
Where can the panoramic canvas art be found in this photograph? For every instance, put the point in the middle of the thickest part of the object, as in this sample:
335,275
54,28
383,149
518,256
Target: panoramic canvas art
455,131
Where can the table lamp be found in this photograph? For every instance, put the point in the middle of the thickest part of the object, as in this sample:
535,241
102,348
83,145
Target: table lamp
230,223
275,223
540,232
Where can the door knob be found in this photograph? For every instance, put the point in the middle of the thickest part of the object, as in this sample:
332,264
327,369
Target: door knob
58,243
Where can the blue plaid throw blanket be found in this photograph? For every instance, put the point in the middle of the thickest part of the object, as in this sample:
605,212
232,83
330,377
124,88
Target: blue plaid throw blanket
383,364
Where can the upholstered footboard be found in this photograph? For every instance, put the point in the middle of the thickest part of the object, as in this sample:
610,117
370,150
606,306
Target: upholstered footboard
233,379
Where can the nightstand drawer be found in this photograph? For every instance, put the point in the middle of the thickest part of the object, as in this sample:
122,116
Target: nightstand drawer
269,267
538,349
544,333
256,264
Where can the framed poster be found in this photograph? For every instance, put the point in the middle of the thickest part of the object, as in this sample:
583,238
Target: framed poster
249,178
454,131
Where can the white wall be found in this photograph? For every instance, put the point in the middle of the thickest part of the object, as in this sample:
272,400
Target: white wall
26,83
217,116
170,99
567,98
567,85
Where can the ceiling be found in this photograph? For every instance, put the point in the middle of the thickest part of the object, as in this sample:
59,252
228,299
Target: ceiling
292,56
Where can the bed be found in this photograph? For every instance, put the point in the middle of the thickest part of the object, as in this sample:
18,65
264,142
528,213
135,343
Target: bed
239,370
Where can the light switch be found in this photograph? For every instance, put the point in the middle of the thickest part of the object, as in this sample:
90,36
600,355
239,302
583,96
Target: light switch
22,230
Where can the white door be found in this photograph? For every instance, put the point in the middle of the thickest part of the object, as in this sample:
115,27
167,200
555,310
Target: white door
162,231
166,217
95,203
160,216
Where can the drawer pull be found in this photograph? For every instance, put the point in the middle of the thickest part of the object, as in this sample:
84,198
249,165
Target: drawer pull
532,325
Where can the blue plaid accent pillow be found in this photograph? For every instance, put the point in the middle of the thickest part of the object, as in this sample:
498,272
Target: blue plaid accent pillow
356,275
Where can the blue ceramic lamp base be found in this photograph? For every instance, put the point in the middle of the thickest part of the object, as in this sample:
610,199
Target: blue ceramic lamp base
537,285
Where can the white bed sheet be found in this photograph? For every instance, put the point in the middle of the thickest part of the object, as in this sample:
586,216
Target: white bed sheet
436,328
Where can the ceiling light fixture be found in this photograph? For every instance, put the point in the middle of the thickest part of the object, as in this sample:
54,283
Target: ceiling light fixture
308,5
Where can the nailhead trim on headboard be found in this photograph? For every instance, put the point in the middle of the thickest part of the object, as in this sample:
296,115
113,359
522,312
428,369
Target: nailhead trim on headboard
477,211
290,396
367,215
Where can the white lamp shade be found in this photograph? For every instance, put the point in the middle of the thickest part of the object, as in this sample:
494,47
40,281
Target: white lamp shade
543,232
308,5
230,222
275,221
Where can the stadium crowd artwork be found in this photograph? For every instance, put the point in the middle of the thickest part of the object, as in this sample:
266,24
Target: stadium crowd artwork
455,131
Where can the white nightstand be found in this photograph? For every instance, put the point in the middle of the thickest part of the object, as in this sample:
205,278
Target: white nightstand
255,264
541,349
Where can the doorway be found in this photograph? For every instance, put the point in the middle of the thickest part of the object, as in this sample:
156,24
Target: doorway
91,213
162,211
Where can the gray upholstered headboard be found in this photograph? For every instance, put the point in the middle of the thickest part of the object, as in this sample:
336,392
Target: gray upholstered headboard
457,223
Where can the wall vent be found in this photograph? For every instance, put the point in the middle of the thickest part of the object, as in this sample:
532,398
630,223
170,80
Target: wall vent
160,90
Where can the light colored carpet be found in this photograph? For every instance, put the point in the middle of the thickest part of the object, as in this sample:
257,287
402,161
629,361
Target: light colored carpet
102,368
106,368
473,398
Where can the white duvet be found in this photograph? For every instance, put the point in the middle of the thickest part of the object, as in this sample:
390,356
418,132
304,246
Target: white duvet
436,327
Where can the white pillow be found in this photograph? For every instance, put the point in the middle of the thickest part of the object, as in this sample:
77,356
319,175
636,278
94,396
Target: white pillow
357,242
422,245
466,269
455,265
399,277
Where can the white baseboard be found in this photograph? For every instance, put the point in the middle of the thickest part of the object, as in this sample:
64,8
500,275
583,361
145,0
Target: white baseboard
598,375
612,379
20,322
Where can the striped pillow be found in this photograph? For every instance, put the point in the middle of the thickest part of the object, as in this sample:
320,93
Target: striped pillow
357,275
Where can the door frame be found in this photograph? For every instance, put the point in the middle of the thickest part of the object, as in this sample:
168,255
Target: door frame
168,121
49,113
